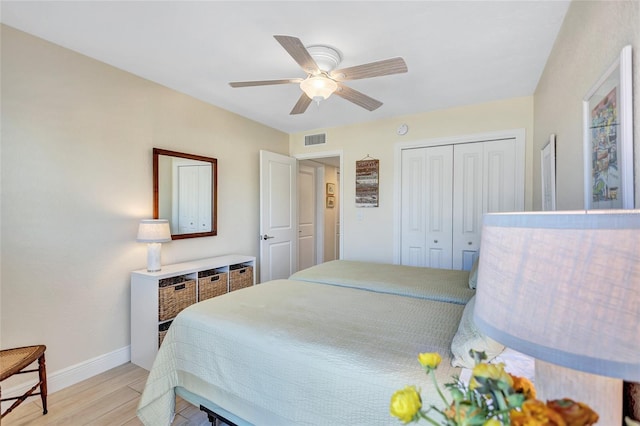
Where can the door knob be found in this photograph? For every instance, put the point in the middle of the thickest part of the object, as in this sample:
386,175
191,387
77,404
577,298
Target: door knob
266,237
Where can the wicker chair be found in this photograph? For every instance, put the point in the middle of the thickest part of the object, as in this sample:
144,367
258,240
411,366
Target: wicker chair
14,361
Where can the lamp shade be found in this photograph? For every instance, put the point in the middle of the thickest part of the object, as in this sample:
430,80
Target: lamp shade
318,87
564,287
154,231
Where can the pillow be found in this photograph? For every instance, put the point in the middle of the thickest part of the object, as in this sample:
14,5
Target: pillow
515,363
473,274
470,337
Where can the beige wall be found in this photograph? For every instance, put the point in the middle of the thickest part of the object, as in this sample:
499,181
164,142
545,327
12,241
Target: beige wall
592,35
368,233
77,137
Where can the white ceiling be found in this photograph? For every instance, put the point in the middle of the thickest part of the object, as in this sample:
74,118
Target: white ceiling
457,52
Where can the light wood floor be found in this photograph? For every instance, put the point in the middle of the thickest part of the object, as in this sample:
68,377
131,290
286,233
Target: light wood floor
110,398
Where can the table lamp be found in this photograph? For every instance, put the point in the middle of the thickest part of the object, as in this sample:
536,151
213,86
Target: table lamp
564,288
154,232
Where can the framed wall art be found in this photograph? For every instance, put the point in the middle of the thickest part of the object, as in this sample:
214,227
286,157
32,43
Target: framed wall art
331,188
367,182
548,172
608,138
331,201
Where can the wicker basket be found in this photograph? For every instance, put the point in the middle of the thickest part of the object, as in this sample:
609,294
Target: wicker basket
240,277
175,294
162,331
212,285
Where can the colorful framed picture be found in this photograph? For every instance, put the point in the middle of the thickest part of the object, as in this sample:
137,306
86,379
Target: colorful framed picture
608,138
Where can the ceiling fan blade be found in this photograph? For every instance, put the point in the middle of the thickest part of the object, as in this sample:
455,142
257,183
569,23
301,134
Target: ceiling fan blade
264,82
301,105
357,98
299,53
373,69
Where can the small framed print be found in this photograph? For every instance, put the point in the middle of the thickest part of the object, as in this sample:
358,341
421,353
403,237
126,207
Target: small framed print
331,201
331,188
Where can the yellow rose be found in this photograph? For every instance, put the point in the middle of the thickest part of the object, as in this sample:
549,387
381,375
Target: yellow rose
430,360
482,372
405,404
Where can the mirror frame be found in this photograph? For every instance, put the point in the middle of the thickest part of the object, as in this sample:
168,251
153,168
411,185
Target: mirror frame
214,188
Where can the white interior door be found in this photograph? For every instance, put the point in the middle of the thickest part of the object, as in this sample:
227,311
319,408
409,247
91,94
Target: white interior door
486,180
426,206
467,203
278,216
306,216
500,183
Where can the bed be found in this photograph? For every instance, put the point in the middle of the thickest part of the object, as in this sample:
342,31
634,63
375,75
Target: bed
444,285
322,347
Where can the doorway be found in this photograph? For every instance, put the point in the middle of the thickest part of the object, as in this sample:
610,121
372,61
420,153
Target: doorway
319,203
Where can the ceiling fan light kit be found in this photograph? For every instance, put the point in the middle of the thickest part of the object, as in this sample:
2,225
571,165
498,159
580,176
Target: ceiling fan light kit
318,87
319,62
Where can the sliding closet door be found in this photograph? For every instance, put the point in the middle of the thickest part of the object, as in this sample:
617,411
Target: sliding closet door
467,203
445,192
485,180
426,207
501,186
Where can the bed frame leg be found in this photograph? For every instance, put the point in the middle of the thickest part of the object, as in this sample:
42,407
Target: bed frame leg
216,419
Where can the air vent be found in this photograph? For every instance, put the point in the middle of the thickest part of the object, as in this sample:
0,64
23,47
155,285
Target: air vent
319,139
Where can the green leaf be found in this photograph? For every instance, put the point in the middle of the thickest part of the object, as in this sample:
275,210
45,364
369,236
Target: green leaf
515,400
457,394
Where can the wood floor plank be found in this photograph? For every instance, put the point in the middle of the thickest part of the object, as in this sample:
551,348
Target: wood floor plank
85,411
181,404
180,421
193,419
100,387
194,415
66,397
64,402
118,416
138,385
93,381
110,398
133,422
25,414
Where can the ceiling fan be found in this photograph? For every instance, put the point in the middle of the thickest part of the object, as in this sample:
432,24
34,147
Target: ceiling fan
322,80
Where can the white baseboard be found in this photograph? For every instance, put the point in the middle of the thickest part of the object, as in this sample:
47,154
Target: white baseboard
76,373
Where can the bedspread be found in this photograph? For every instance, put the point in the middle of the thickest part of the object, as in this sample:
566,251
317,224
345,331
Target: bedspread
444,285
296,353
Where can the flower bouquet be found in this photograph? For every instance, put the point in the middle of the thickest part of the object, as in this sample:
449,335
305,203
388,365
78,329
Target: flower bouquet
493,397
